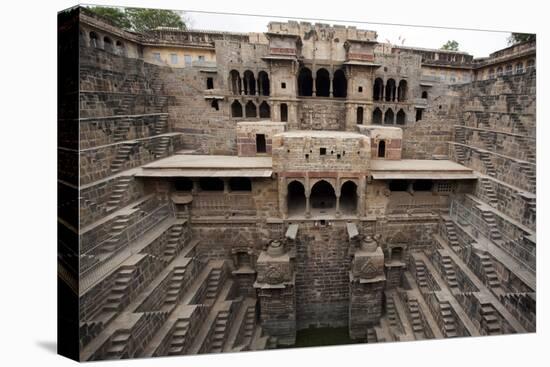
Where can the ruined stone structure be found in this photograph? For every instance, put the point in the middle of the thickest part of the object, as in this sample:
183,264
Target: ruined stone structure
305,177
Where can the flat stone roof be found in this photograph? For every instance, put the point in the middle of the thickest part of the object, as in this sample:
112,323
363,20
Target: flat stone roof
321,134
419,169
187,165
261,122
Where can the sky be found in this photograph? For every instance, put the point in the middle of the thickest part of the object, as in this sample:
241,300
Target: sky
475,42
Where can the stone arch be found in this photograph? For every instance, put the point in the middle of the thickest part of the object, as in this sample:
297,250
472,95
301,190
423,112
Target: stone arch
402,91
340,84
107,44
265,111
305,82
401,117
359,119
120,48
284,112
236,109
348,197
250,110
381,153
249,83
377,90
390,90
322,83
263,83
377,116
397,253
322,195
388,117
296,197
94,39
235,82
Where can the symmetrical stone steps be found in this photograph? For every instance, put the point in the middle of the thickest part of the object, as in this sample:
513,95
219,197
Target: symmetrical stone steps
451,234
161,148
449,271
489,219
449,323
490,321
119,291
214,281
179,337
491,278
175,288
119,343
120,188
121,130
390,310
489,166
421,274
220,329
122,156
416,320
174,243
530,173
488,191
117,229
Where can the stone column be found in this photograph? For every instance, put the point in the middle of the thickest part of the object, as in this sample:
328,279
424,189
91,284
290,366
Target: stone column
258,87
330,94
275,283
383,89
367,281
196,187
226,189
242,86
283,197
361,196
314,88
308,209
337,205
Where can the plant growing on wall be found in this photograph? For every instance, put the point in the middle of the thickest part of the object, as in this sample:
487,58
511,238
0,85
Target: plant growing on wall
451,45
141,20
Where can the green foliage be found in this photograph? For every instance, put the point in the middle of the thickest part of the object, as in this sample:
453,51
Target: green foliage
521,37
115,15
147,19
451,45
140,20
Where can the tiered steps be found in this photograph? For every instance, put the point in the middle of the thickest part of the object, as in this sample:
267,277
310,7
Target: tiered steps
449,328
119,343
119,190
161,125
459,153
174,242
220,328
117,229
489,270
449,271
490,319
459,135
213,284
530,173
421,274
414,311
121,130
179,337
371,335
489,166
489,191
451,235
122,156
119,290
162,146
390,310
174,289
489,218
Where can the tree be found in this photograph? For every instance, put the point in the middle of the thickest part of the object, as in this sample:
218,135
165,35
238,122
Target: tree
116,15
451,45
148,19
140,20
521,37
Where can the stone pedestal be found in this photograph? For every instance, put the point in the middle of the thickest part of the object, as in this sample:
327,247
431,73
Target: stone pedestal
275,284
367,281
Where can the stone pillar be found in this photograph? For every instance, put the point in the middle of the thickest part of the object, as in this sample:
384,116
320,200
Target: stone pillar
196,187
275,283
383,89
314,88
367,281
330,94
361,196
258,84
308,208
283,197
242,86
226,189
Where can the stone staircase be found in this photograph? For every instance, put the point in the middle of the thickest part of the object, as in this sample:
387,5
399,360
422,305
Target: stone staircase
214,281
161,125
118,344
459,153
491,277
126,105
174,243
120,188
161,147
174,289
416,320
220,328
371,335
119,290
459,135
490,321
122,155
449,323
390,310
530,173
421,274
489,218
179,337
449,271
489,166
117,229
488,191
121,130
452,238
486,139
